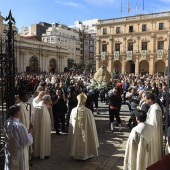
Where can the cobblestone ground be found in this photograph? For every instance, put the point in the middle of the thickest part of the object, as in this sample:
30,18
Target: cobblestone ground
111,151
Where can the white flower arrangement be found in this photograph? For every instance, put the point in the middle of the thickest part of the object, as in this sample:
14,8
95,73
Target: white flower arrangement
98,85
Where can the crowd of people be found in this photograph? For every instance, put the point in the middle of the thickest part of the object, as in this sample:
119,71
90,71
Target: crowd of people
60,101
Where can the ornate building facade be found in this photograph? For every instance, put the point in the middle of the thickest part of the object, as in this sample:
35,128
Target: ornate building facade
33,55
135,44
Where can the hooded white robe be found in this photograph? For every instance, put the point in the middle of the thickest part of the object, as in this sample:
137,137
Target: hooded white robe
82,137
42,131
154,117
36,101
17,139
140,148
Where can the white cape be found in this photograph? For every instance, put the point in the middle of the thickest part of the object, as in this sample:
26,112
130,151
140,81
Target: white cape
82,136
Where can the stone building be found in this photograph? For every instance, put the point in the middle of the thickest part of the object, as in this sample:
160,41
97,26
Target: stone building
33,55
134,44
67,37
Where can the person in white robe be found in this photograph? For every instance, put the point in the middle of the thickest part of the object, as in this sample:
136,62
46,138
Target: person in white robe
25,119
38,98
17,139
154,117
140,147
53,80
82,135
42,129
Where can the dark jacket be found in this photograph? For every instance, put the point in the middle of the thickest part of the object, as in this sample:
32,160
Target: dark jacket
115,100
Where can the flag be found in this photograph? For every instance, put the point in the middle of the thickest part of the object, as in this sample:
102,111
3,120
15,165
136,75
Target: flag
143,5
136,6
121,7
128,7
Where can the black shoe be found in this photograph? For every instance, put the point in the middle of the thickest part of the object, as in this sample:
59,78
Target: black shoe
46,157
58,133
98,113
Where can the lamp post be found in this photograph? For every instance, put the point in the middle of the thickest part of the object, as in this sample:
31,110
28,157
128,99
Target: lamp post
34,62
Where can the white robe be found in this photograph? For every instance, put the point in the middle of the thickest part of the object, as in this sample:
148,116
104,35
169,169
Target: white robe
25,115
154,117
82,137
17,139
25,119
42,131
140,148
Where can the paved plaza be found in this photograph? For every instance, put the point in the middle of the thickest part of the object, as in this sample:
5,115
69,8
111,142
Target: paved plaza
111,151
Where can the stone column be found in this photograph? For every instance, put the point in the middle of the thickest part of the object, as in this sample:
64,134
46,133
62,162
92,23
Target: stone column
97,63
110,48
151,64
110,65
137,65
97,53
123,64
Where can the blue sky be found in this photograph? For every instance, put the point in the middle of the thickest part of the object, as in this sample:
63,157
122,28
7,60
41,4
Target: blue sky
27,12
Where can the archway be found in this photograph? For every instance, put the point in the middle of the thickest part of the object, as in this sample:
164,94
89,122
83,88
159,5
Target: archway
117,66
52,65
33,64
143,67
130,66
160,67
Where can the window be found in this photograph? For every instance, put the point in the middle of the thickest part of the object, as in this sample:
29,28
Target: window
144,27
91,43
161,25
130,28
52,39
104,31
91,48
130,46
87,36
160,45
117,30
117,47
144,45
48,39
104,47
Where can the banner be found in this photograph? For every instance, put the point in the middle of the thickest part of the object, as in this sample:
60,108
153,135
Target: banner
160,53
143,53
129,55
116,55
